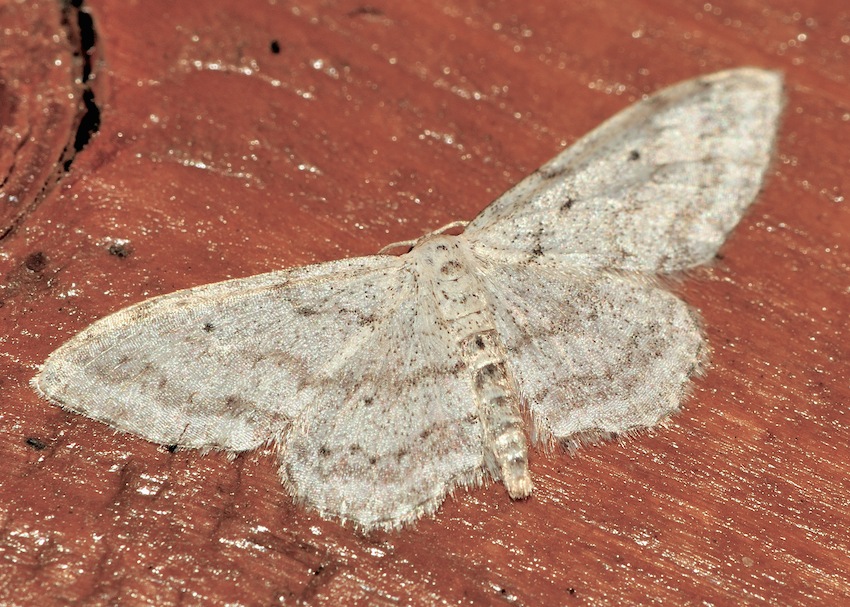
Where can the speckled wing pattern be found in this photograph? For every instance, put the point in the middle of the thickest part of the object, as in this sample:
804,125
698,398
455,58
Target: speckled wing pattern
220,365
573,251
395,427
386,382
595,355
342,361
656,188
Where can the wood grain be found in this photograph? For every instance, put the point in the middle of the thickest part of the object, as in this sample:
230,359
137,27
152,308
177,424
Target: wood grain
241,137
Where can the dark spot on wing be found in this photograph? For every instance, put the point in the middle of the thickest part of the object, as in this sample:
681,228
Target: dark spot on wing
568,204
355,449
36,443
537,251
324,451
365,319
634,155
551,173
451,267
171,448
306,311
209,327
479,342
373,460
274,47
236,403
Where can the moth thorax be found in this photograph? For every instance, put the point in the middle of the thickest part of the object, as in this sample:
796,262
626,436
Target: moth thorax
458,290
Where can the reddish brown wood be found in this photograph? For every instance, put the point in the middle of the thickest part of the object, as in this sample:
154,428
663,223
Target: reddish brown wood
40,105
217,157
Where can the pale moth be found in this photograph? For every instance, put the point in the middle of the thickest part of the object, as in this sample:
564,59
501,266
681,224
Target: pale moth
387,381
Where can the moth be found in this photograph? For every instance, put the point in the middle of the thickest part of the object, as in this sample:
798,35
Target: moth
385,381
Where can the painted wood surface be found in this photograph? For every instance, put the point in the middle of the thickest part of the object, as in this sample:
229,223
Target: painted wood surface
151,146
